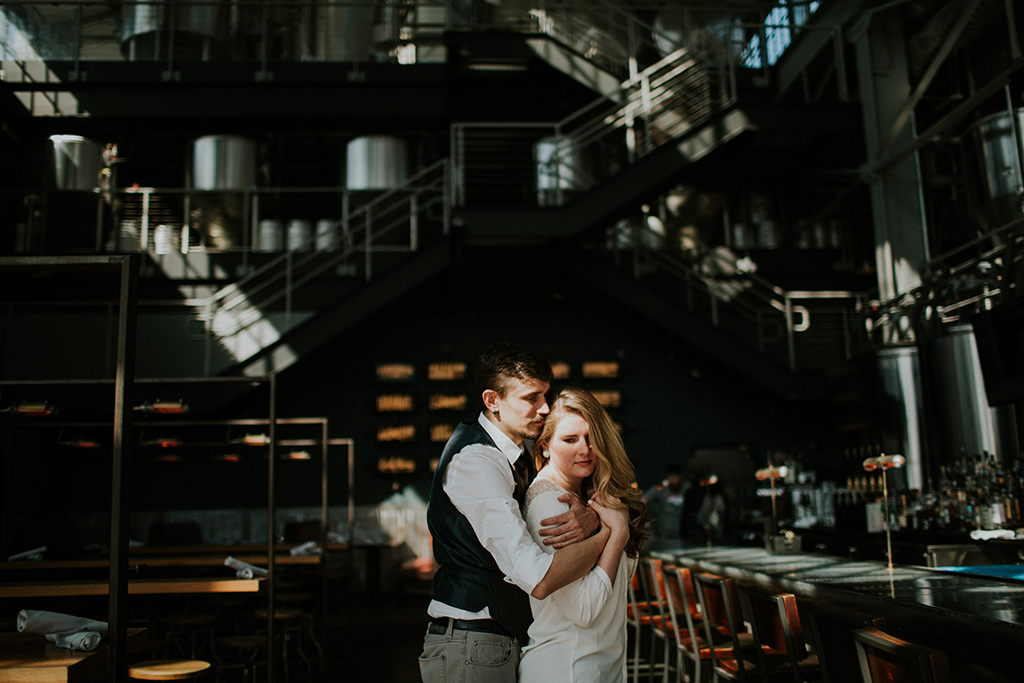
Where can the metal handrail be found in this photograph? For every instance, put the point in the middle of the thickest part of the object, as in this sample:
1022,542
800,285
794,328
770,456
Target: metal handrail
364,233
654,106
740,289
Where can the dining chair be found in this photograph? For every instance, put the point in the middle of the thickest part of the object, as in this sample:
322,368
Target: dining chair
778,638
730,644
691,645
831,632
884,658
653,584
638,619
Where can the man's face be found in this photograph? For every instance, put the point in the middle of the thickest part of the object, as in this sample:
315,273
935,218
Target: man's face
522,410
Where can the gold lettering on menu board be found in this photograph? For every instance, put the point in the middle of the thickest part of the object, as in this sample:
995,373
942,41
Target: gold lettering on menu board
441,432
609,399
447,402
446,371
395,371
396,465
394,403
396,433
601,369
560,370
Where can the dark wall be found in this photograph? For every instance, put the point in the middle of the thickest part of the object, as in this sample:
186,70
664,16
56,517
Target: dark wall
673,399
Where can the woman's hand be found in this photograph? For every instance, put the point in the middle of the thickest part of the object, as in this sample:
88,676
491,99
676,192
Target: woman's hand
615,519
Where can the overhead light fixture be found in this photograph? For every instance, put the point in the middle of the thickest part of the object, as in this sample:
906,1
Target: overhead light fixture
227,457
884,462
159,407
771,472
168,457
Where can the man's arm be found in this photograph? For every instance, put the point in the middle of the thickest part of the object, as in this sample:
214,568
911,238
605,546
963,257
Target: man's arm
572,563
570,527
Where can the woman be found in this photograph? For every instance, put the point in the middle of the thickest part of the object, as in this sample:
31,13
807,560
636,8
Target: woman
579,632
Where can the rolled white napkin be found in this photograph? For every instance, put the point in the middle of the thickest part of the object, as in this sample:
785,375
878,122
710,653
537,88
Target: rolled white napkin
307,548
34,554
244,570
987,534
63,630
84,640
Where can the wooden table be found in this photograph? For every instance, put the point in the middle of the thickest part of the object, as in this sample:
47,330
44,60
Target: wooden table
31,658
160,561
135,587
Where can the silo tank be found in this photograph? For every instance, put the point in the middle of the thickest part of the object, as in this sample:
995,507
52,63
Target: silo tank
376,162
222,168
994,163
74,163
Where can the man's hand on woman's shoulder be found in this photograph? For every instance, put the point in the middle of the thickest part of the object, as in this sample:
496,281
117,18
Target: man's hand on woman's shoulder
572,526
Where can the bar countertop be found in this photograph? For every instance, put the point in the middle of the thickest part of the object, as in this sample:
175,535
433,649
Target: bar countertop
968,616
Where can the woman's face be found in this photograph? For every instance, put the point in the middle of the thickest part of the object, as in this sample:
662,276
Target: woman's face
569,450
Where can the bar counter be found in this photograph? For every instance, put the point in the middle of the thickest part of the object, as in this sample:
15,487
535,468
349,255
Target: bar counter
978,622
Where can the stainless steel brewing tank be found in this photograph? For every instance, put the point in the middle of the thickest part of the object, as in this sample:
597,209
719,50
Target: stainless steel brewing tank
67,168
902,418
344,33
376,162
223,162
994,157
222,168
149,30
72,162
967,423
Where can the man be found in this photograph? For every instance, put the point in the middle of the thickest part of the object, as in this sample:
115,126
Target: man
487,560
665,506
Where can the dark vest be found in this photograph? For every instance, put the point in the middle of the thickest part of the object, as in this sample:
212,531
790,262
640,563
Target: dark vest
467,576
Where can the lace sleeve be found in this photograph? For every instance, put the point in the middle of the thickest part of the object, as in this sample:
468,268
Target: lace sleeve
538,487
542,502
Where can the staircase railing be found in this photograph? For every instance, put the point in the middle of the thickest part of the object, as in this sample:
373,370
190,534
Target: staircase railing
389,223
678,92
800,329
610,35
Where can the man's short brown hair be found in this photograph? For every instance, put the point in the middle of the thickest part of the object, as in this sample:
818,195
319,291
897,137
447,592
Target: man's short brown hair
507,361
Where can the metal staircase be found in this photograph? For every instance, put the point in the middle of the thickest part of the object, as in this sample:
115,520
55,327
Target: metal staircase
783,338
381,233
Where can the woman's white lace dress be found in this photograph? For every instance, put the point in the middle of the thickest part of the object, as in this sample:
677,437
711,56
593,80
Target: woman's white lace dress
579,632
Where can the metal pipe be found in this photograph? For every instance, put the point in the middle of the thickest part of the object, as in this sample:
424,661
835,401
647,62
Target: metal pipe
1016,135
117,610
271,523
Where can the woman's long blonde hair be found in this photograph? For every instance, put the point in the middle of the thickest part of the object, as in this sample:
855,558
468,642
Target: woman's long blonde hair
614,475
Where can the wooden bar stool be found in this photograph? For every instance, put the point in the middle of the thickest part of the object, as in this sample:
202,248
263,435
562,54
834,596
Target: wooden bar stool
190,633
293,623
248,658
168,669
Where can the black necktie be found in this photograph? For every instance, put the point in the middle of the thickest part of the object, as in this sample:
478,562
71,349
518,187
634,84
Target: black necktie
522,476
509,605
